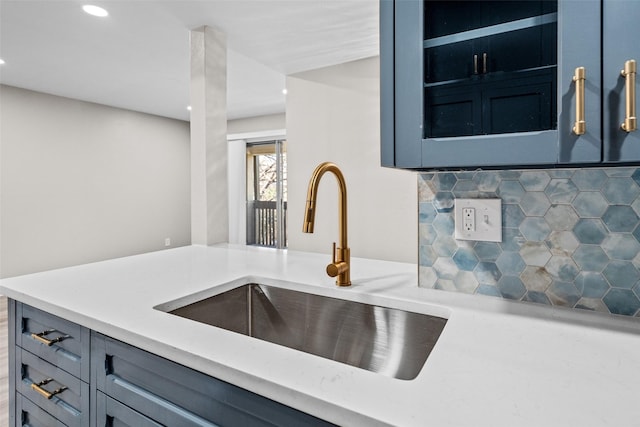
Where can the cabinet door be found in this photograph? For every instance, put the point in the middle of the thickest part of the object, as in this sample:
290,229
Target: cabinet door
31,415
621,35
407,138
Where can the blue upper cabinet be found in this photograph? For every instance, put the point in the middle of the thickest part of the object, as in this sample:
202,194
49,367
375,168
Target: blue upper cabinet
467,84
621,50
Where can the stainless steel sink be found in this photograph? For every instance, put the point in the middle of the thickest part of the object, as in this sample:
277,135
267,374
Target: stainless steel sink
388,341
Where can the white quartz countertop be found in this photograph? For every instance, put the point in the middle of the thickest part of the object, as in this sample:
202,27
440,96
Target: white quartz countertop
497,363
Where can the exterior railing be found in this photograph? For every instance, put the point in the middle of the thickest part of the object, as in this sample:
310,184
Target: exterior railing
262,223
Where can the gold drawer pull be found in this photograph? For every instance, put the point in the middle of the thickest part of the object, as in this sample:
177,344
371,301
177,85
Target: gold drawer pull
41,337
629,73
47,394
580,126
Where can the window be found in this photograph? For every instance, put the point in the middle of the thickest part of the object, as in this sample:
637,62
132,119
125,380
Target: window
267,194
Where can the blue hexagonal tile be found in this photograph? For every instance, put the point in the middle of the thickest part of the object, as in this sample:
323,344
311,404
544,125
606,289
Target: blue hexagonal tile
444,201
535,254
620,218
622,301
444,224
510,263
590,204
636,176
621,274
535,229
427,234
591,284
465,281
621,191
489,290
562,243
534,180
560,173
445,246
537,297
487,273
510,174
592,304
427,256
561,217
445,285
621,246
466,189
590,231
511,287
512,239
465,259
427,277
536,278
426,188
445,181
636,289
590,258
563,294
512,216
589,179
510,191
561,191
426,212
535,203
619,172
487,251
445,268
487,181
562,268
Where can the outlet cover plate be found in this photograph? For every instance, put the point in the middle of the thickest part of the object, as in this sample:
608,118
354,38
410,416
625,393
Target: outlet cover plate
487,221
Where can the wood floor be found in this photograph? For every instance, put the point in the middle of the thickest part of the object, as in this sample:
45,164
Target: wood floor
4,366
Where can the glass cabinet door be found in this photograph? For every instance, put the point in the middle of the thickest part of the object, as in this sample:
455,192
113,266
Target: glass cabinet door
490,67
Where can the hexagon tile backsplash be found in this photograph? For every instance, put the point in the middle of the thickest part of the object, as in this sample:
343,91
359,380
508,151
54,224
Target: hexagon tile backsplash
570,237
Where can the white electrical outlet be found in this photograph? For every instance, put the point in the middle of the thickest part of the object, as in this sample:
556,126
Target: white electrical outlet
167,241
469,219
478,219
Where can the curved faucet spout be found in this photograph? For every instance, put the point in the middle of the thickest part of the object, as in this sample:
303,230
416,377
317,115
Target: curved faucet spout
339,267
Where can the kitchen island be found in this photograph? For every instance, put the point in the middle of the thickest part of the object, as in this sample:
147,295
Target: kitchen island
497,362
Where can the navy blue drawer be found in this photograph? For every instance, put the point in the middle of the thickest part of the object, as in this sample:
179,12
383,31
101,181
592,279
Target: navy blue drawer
112,413
58,341
30,414
56,391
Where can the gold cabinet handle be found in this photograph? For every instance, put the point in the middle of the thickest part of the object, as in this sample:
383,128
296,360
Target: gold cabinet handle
580,126
47,394
629,73
41,337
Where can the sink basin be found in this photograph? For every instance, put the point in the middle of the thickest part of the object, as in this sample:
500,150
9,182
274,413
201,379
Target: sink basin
388,341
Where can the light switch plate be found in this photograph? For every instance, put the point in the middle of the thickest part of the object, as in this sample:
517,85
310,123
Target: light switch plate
478,219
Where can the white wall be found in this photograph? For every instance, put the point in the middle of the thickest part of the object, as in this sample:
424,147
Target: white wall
82,182
333,114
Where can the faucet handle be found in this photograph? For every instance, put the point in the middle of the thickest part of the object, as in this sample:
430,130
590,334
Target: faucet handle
337,266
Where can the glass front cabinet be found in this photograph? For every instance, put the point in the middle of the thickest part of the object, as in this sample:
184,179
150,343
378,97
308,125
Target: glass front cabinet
496,83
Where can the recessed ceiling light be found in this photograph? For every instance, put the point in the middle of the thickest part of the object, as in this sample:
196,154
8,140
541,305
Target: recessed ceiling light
1,61
189,108
284,91
95,10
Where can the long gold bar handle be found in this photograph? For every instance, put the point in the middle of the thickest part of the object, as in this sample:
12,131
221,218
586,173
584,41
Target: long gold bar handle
629,73
47,394
484,63
475,64
580,126
41,337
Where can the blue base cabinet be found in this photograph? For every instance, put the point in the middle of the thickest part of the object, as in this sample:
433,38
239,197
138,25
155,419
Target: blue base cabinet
63,374
490,84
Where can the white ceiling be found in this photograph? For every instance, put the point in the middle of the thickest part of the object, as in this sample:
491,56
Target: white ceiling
138,57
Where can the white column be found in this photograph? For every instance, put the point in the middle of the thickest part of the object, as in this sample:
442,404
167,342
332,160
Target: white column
208,92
